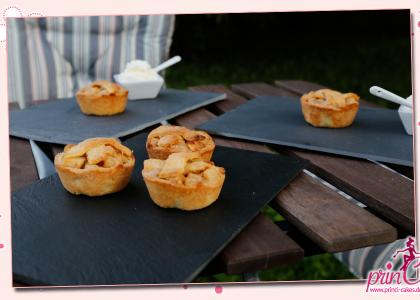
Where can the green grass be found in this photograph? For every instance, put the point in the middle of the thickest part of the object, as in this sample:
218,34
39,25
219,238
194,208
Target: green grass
272,214
340,65
318,267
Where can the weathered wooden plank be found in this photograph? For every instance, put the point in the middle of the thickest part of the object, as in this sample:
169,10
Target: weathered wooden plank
327,218
251,90
385,192
259,246
298,87
232,99
22,164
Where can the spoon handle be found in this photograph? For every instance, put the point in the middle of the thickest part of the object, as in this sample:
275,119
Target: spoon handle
387,95
167,63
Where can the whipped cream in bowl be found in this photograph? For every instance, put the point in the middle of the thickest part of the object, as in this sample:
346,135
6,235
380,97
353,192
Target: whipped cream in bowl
137,70
140,79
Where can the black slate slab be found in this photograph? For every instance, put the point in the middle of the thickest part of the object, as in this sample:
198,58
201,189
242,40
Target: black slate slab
376,134
124,238
62,122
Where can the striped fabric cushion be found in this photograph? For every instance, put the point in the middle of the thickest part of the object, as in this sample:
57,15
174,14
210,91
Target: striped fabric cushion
50,58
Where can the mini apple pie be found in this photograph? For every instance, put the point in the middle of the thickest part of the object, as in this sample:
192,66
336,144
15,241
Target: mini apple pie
95,167
183,181
102,98
328,108
167,139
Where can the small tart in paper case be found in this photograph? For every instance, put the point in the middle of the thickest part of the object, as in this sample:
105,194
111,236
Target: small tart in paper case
329,108
102,98
95,167
167,139
184,181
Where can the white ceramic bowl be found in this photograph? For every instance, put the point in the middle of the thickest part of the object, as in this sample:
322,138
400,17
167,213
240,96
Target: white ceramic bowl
406,116
142,89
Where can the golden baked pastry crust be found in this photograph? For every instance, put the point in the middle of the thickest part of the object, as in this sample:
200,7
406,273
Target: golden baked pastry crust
167,139
102,98
183,181
329,108
95,167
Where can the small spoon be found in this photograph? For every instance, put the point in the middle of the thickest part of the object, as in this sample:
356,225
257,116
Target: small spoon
167,63
387,95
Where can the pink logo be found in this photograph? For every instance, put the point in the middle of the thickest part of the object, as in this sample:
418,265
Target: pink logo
410,257
411,261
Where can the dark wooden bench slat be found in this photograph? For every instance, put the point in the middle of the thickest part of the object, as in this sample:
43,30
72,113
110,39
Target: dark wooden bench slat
252,90
201,115
23,170
260,245
331,221
233,100
342,238
298,87
385,192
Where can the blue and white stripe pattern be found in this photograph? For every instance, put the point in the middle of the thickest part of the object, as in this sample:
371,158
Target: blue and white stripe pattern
51,58
361,261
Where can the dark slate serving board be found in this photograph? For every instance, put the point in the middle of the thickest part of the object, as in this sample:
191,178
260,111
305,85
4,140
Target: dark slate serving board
124,238
376,134
62,122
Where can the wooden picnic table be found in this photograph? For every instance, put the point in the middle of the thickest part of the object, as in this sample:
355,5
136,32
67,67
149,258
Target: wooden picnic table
318,218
